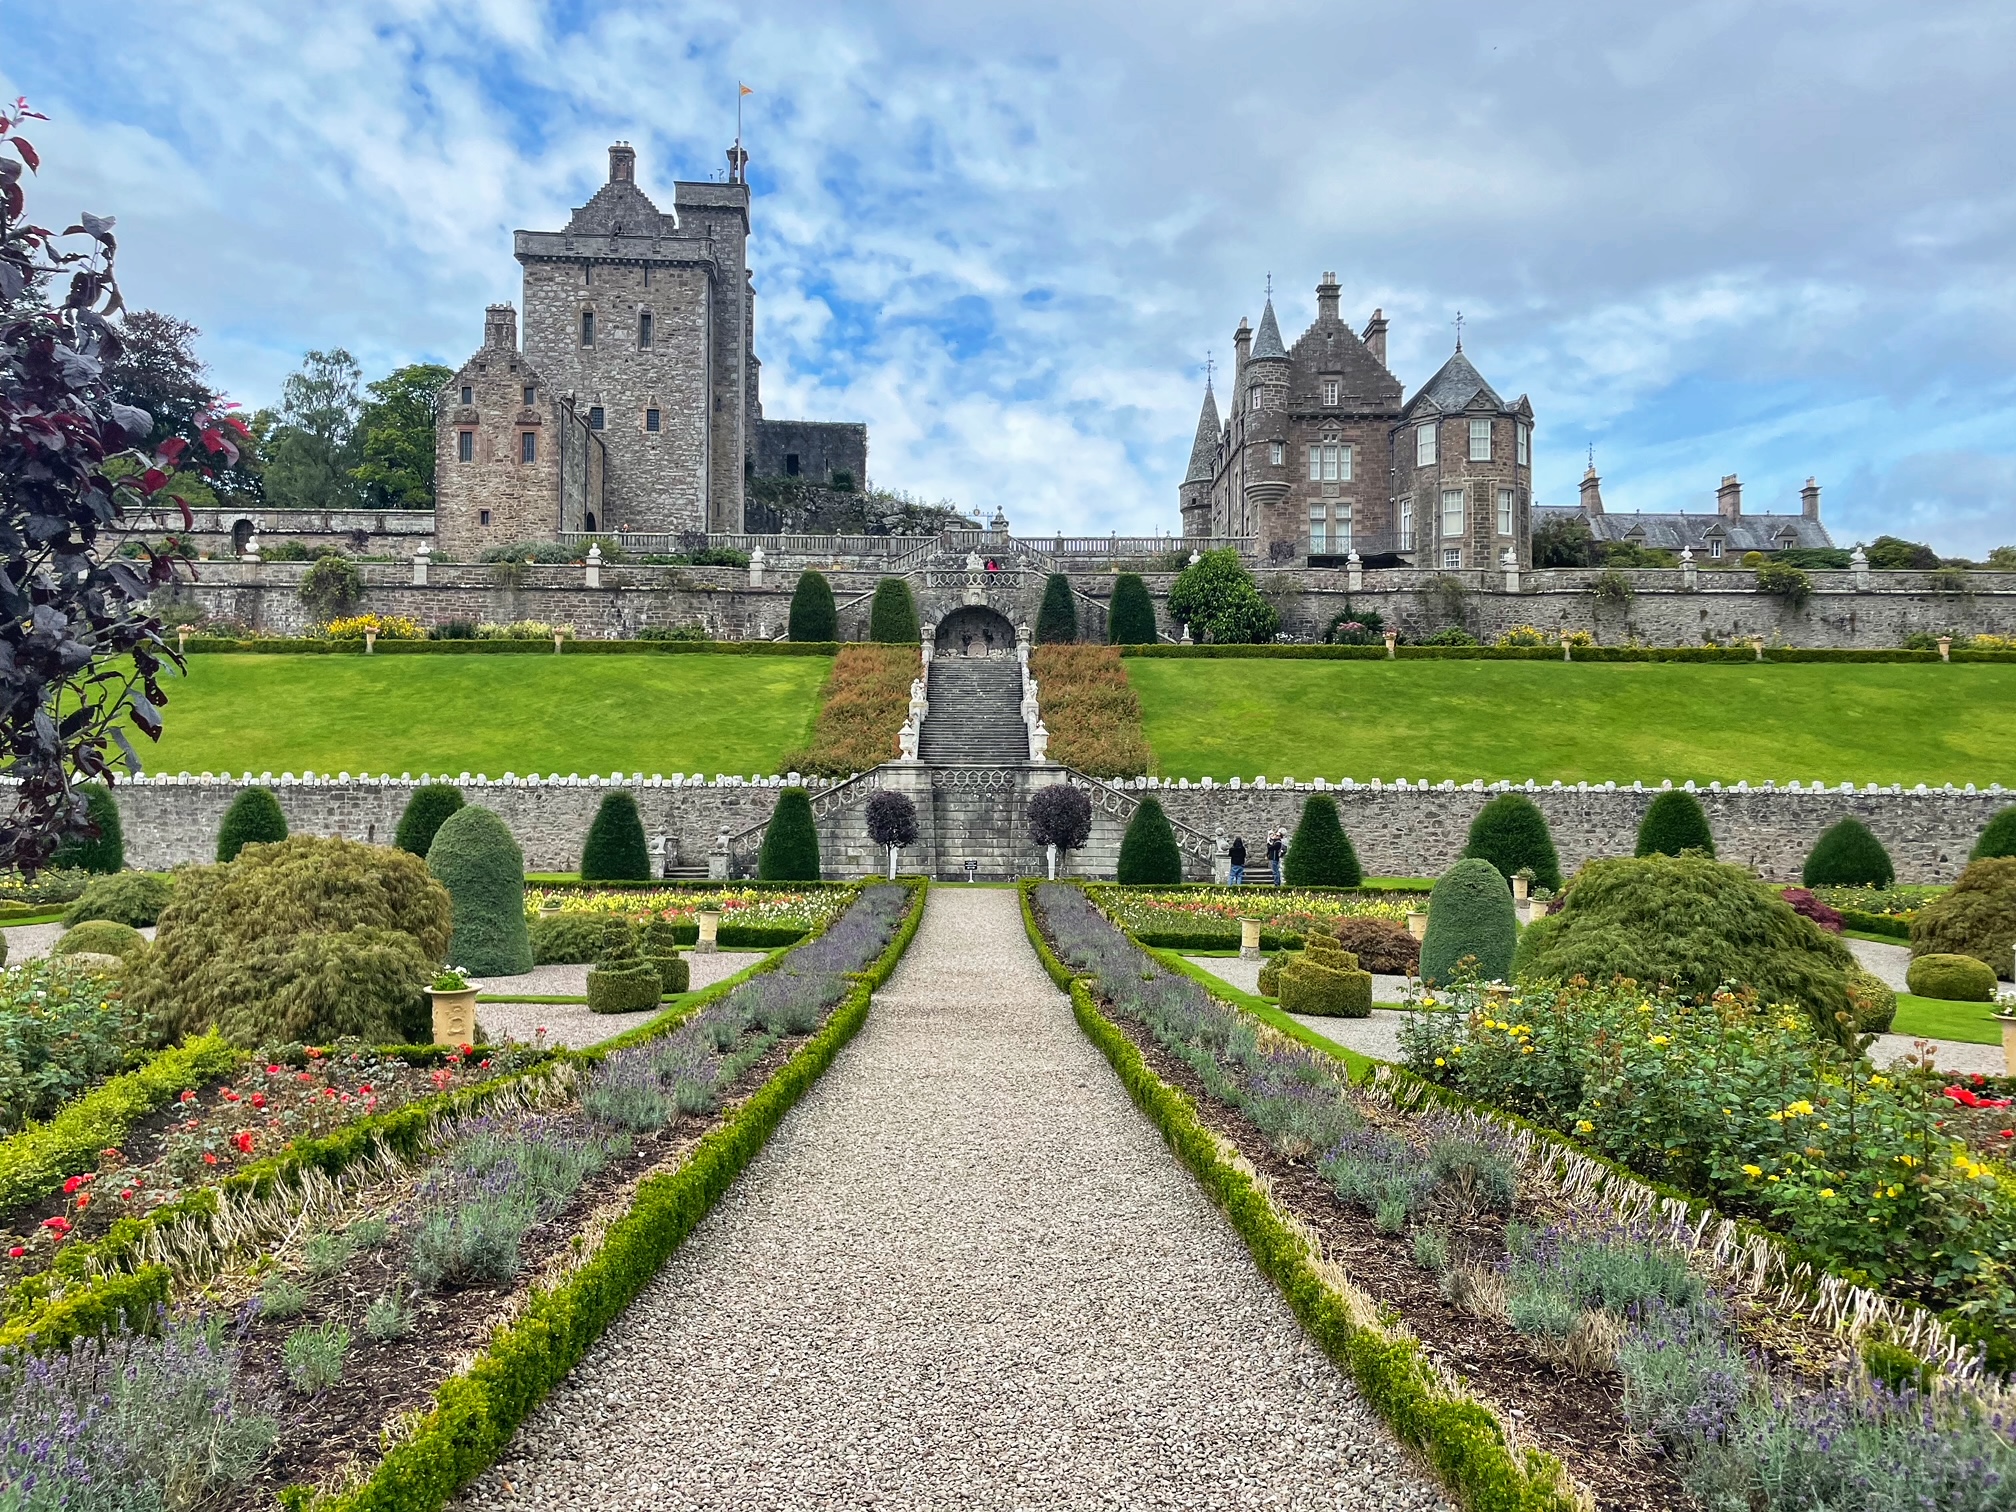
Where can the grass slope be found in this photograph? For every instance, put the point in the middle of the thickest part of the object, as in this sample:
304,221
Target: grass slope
1644,721
490,714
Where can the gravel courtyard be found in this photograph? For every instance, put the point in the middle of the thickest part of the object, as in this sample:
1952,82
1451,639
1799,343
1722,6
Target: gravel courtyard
964,1273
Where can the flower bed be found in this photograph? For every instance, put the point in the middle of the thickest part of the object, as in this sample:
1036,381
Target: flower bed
1604,1317
1207,918
63,1029
749,915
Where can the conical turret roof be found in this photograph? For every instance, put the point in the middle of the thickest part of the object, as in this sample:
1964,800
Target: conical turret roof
1267,343
1204,450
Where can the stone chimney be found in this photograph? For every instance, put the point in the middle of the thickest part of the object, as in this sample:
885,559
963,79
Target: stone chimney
1326,297
738,164
1592,492
500,327
1809,500
622,164
1242,348
1729,499
1375,336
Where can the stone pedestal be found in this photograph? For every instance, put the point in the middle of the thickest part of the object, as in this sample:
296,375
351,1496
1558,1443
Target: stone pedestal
454,1016
420,569
1249,939
709,920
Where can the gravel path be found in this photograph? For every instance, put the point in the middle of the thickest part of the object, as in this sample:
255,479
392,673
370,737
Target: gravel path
964,1273
571,1024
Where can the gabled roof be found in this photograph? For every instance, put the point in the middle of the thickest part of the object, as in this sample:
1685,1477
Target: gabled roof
1670,532
620,208
1331,349
1267,345
1457,386
1204,450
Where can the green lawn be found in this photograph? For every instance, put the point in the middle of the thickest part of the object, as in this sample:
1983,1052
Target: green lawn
1934,1018
1595,722
489,714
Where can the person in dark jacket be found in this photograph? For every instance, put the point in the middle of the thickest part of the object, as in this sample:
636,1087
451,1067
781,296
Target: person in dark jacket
1238,861
1277,847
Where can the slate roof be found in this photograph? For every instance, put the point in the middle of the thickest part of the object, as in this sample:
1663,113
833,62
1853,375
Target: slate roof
1457,385
1267,341
1331,349
1671,532
1204,450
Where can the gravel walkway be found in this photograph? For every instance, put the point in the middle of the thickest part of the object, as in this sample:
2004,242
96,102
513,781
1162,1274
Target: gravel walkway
571,1024
964,1273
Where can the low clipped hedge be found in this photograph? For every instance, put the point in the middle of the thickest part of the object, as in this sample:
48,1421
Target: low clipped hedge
1951,979
624,988
1553,653
1312,985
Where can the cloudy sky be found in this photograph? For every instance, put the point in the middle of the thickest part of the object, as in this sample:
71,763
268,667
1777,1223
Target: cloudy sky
1705,237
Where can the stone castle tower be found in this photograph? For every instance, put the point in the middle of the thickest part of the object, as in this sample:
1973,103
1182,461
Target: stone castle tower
635,404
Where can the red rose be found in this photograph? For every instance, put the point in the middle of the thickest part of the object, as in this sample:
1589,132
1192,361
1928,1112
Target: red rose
16,1253
209,1158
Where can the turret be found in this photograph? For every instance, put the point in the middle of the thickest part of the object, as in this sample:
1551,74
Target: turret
1194,494
1267,369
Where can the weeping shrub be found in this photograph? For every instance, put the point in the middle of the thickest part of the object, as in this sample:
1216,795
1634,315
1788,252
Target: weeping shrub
1148,852
1130,618
1320,855
1848,855
1470,914
475,858
790,841
1511,833
254,818
814,616
1673,824
135,898
616,850
426,811
1975,917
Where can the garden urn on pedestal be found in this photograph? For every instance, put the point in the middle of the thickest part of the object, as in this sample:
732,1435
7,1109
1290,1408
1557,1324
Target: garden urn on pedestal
709,920
1249,939
370,641
1945,648
1417,925
1392,639
2008,1022
454,1014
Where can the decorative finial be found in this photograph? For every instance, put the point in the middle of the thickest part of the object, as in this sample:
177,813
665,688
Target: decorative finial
1270,285
1210,367
1592,456
1459,330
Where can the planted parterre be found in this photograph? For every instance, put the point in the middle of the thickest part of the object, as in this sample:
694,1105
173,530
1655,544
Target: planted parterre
750,916
1207,918
1661,1353
418,1279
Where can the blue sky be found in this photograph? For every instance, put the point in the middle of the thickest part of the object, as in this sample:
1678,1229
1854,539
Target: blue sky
1705,237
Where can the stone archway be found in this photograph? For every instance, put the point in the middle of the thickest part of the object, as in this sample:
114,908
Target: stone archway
242,532
975,630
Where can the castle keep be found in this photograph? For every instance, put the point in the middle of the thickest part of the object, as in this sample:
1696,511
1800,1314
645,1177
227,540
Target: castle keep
634,404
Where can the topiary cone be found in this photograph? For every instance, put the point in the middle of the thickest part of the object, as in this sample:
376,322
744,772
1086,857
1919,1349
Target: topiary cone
475,858
1847,855
616,850
1675,824
426,811
254,818
813,614
106,853
1148,852
1130,621
1998,839
1320,855
892,615
1511,833
790,841
1470,914
1057,618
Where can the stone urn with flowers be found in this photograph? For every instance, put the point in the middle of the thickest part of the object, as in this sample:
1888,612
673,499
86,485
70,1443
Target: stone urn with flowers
453,998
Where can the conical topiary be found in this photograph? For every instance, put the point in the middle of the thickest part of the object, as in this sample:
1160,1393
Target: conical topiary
1470,914
1057,618
475,858
1130,620
1998,839
1511,833
426,811
1148,853
790,841
254,818
1674,824
107,853
892,616
1320,855
615,850
1848,855
813,615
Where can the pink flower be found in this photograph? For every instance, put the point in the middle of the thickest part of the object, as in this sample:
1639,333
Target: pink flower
72,1184
16,1253
188,1097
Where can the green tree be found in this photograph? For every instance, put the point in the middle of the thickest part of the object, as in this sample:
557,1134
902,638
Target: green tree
157,370
254,818
475,858
813,614
892,615
1057,618
1511,833
1148,852
1470,914
1130,620
1216,598
616,850
1562,543
1998,839
1674,824
790,841
426,811
105,854
395,433
1320,855
1848,855
311,442
1888,553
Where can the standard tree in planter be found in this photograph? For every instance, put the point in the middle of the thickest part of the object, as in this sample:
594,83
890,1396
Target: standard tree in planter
1511,833
813,615
1673,825
616,850
1148,852
790,841
892,616
107,853
254,818
1848,855
1130,620
1320,855
892,823
475,858
1470,914
1060,819
1998,839
426,811
1057,619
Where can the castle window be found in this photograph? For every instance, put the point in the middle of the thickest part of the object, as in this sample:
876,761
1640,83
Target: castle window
1319,530
465,446
651,420
1504,511
1452,558
531,394
643,329
1277,453
1406,524
790,464
482,517
1480,440
1330,390
594,417
1340,531
1424,445
1522,441
587,328
528,446
468,394
1452,513
1330,463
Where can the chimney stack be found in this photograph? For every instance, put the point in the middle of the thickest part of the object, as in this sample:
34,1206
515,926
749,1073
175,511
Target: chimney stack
1375,336
1809,500
1326,297
500,327
1729,499
738,164
622,164
1592,492
1242,347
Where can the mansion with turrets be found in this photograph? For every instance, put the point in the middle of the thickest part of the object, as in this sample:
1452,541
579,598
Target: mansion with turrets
634,403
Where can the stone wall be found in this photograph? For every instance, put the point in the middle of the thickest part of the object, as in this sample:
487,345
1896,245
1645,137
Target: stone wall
221,533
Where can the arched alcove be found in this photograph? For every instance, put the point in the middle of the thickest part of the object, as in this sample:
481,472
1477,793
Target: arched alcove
975,630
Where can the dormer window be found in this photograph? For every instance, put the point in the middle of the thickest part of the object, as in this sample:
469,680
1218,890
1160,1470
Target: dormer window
1715,546
1331,389
1277,453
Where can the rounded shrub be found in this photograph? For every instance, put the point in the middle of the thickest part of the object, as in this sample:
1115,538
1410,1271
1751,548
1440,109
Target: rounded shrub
892,819
1511,833
100,937
1130,619
254,818
1674,825
303,941
1148,851
1057,616
1975,917
1998,839
1951,978
1380,945
1470,914
104,852
1060,815
624,987
1847,855
1320,854
475,858
570,939
790,850
134,898
1271,969
1872,1002
814,616
892,614
616,850
426,811
1312,985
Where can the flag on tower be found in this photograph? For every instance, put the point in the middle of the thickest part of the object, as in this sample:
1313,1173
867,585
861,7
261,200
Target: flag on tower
744,88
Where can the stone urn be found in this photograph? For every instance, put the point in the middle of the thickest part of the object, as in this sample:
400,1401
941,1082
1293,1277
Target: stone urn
2008,1022
709,921
454,1014
1518,889
1417,925
1249,939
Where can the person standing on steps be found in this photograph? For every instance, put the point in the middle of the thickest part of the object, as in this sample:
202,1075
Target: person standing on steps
1276,849
1238,861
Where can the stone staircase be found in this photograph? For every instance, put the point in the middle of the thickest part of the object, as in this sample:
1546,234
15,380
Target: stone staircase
976,712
